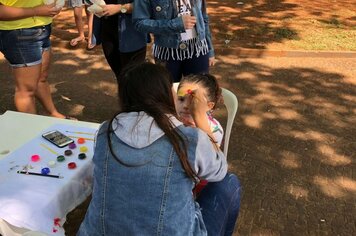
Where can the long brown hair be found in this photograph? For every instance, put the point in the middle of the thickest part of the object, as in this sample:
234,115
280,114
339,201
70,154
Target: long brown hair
148,87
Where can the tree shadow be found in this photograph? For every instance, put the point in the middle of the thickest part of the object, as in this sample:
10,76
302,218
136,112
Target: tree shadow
292,143
293,147
79,80
257,24
251,24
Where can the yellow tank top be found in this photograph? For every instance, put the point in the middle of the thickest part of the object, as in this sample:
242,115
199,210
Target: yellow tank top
25,22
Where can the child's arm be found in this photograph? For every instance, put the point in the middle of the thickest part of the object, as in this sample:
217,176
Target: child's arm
210,163
217,130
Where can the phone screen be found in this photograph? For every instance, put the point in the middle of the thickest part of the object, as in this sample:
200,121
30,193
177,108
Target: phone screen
58,138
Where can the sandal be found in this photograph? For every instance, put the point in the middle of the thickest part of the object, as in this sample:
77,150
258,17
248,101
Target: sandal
90,46
74,42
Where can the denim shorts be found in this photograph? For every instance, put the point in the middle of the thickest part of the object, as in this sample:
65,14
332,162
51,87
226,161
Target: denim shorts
24,47
75,3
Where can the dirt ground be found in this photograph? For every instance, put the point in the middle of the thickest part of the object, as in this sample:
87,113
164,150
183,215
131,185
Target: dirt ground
293,142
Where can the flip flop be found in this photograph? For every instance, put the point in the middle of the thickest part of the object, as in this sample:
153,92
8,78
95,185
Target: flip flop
90,46
74,42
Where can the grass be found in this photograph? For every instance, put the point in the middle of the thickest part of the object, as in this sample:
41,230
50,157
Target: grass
285,25
285,33
324,35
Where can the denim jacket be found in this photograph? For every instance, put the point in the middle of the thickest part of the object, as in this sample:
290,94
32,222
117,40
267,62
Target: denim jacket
160,18
149,194
129,38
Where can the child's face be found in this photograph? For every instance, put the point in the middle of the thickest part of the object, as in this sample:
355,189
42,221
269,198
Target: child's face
183,101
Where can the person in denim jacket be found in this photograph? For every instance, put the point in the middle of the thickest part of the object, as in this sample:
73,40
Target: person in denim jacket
122,44
146,163
182,38
25,29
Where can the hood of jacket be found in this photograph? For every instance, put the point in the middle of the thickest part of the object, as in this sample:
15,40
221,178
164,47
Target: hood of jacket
139,130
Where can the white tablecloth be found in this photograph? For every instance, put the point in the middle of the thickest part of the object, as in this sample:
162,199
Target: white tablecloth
35,202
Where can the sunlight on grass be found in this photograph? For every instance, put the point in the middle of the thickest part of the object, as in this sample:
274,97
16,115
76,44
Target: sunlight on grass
290,160
253,121
245,76
348,97
310,135
323,27
68,62
338,187
108,88
331,157
82,72
297,191
288,114
325,35
76,110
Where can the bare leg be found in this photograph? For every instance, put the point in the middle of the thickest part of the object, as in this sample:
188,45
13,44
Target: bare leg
78,11
90,17
26,79
43,92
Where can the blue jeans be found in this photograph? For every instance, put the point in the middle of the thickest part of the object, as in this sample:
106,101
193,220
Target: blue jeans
24,47
220,204
195,65
96,39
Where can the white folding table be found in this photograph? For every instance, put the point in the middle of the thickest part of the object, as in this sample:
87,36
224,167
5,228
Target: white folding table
16,131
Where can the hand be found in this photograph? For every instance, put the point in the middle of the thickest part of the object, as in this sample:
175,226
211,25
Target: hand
46,10
110,9
189,21
196,101
211,61
187,122
199,103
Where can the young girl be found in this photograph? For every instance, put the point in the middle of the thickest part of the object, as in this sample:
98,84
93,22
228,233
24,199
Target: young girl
206,86
146,163
182,38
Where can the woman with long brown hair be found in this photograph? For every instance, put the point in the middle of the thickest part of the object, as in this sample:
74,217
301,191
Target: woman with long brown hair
146,163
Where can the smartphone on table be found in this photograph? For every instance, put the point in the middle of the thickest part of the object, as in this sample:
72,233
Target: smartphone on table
57,138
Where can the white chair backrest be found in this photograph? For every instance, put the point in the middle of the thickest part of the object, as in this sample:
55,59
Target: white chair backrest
231,104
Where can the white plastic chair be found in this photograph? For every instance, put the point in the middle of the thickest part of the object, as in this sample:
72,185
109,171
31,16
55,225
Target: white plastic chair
231,104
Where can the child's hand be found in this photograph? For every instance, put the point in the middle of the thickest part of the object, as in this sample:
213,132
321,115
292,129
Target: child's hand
211,61
187,122
189,21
